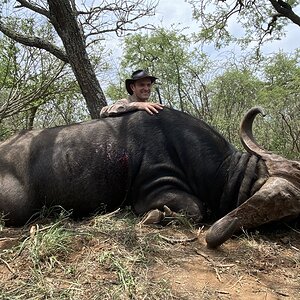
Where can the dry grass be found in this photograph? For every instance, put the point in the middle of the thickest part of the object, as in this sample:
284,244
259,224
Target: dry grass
112,257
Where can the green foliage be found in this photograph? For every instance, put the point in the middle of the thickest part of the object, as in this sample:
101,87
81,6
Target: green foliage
280,97
116,91
168,55
218,92
165,54
233,93
8,55
35,87
275,89
242,22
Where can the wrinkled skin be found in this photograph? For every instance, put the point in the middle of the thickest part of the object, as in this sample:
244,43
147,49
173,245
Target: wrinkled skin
167,162
277,198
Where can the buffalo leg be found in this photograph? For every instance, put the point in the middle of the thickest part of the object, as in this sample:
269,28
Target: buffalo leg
14,204
155,216
176,201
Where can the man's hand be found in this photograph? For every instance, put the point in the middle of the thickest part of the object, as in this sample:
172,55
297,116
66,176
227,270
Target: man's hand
122,106
150,107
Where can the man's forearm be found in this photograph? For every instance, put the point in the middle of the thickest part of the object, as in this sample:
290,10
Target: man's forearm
121,106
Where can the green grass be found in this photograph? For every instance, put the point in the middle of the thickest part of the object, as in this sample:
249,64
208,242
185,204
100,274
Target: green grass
102,258
112,257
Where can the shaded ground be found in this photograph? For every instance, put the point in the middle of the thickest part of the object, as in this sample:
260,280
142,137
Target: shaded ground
112,257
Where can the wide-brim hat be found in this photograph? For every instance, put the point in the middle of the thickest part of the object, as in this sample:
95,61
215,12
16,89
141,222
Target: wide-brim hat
139,74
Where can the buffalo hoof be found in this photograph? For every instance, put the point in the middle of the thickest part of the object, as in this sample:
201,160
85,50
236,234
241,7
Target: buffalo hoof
152,217
168,212
155,216
221,231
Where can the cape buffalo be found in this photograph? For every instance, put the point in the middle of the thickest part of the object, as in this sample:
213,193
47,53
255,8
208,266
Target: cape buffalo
169,161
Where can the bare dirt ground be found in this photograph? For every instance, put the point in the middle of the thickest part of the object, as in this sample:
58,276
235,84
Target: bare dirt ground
113,257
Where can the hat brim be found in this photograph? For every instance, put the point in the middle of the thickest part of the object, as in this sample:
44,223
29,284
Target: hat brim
128,82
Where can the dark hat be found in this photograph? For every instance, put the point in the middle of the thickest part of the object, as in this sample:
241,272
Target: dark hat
139,74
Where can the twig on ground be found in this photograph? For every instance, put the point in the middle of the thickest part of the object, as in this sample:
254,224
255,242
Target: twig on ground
292,228
9,239
282,293
214,264
173,240
111,213
223,292
7,265
218,274
295,248
233,285
182,240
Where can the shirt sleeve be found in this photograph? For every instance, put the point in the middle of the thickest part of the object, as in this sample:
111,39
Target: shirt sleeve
115,109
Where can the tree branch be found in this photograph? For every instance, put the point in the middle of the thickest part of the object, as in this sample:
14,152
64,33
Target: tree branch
39,10
34,42
285,9
294,139
20,100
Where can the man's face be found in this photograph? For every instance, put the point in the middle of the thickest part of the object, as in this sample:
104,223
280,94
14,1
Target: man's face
142,89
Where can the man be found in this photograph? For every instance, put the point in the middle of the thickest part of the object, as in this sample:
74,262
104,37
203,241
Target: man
139,89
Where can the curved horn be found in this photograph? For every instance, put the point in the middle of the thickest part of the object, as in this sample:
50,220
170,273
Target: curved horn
277,199
276,164
246,134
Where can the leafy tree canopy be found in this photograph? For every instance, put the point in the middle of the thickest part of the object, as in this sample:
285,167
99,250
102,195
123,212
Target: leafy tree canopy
243,21
75,27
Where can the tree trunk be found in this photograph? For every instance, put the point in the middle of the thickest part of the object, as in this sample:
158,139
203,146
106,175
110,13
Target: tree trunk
32,113
64,20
